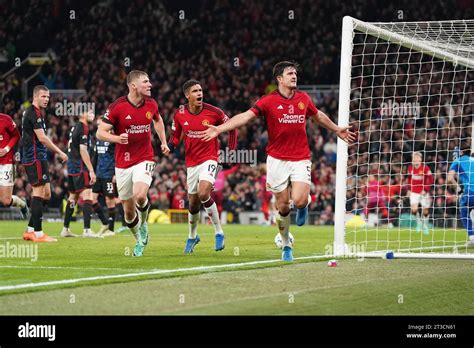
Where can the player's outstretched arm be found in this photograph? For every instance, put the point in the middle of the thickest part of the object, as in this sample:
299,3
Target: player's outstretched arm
342,132
86,158
235,122
43,139
160,130
103,133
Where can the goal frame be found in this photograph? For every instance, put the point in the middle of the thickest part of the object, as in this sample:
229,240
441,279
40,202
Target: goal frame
349,26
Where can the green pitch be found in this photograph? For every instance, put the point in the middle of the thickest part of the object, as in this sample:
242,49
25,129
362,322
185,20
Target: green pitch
99,276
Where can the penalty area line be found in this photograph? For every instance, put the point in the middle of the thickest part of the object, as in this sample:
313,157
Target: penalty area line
153,272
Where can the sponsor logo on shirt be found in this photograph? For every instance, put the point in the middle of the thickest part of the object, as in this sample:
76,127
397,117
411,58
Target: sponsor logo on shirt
280,107
288,119
194,134
186,123
133,129
128,117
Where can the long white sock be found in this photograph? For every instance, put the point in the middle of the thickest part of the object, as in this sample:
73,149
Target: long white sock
31,229
283,224
18,202
211,209
143,210
425,221
39,234
193,223
134,225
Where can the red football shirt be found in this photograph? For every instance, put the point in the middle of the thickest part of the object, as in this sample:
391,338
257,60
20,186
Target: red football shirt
420,179
136,121
9,136
286,124
189,124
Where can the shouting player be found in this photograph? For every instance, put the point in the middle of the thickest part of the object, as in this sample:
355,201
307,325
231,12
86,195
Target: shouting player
105,182
9,136
131,117
420,180
201,158
34,143
289,159
81,176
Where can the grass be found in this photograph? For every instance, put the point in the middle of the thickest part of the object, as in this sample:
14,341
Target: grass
178,286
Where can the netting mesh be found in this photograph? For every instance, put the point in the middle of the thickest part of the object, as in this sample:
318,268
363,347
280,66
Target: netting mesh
406,100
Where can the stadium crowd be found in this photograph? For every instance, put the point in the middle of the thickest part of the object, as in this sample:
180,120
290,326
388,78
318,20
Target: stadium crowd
230,46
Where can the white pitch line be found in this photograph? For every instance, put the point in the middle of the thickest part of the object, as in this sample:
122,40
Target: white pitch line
77,268
139,274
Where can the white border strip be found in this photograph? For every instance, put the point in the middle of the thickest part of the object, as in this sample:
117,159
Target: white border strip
161,271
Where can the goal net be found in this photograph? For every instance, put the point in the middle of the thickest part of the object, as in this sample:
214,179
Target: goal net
408,89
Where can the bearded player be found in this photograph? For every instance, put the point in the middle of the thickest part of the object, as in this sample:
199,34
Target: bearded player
131,117
285,112
420,180
9,137
201,158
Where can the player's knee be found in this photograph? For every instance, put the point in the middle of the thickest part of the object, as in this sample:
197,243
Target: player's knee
203,196
5,201
414,211
284,208
194,207
301,202
140,198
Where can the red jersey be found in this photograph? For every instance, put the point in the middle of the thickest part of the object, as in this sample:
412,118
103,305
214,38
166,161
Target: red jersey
189,124
9,136
136,121
286,124
420,179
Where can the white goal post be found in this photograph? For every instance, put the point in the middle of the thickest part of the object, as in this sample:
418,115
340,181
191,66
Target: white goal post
405,87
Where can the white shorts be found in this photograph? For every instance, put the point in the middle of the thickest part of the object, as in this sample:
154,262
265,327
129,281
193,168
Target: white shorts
417,198
205,171
7,174
281,173
126,177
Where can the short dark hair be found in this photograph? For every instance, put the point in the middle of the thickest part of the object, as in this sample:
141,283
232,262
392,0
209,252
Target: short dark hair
188,84
280,67
38,88
135,74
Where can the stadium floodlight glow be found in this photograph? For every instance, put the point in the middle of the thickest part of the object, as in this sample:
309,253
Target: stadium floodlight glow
406,87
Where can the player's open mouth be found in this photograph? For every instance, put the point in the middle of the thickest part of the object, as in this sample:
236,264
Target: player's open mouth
199,99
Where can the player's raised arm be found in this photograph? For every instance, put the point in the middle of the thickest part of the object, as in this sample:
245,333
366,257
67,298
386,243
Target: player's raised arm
235,122
342,132
160,130
42,138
